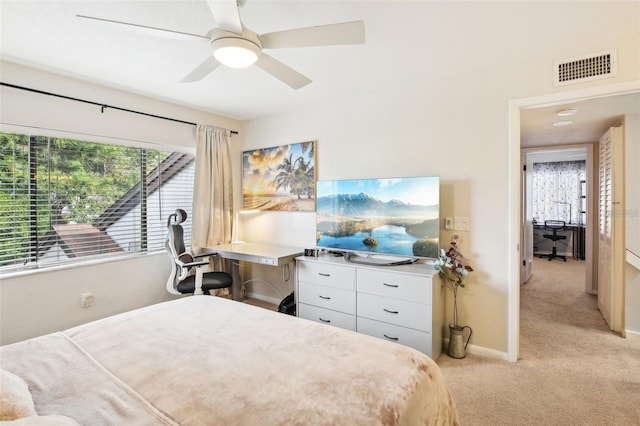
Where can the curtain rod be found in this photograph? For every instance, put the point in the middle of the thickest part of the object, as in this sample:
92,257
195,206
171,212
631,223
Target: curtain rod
102,106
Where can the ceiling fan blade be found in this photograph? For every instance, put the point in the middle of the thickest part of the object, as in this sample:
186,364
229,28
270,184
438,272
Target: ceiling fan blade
226,14
322,35
282,72
202,70
146,29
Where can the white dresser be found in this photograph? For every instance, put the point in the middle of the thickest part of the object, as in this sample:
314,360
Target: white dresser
402,304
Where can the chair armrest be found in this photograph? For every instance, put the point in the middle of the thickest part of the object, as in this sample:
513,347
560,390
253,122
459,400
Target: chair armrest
191,264
205,255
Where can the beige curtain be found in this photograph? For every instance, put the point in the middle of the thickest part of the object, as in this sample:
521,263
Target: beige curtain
213,189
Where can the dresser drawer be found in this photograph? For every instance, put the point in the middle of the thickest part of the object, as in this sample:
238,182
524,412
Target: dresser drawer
394,311
343,277
327,297
392,303
399,286
327,316
419,340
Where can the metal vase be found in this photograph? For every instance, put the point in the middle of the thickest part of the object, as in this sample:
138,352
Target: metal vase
457,345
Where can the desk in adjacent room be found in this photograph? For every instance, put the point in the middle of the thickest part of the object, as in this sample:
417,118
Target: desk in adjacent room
260,253
576,242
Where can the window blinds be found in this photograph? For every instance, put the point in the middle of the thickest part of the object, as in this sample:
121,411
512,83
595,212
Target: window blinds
68,201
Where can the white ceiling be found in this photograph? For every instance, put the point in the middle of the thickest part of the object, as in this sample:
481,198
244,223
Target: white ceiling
590,122
48,35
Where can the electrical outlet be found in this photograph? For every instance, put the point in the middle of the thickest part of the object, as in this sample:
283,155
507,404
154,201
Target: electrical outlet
86,300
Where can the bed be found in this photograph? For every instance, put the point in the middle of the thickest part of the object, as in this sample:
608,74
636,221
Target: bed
204,360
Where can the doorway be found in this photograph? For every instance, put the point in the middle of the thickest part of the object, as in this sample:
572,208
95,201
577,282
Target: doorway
515,205
558,190
557,285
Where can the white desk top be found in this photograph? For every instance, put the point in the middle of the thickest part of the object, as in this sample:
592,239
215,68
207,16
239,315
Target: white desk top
263,253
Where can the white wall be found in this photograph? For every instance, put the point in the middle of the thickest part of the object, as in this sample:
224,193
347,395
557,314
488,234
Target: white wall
46,301
447,115
632,221
39,302
632,182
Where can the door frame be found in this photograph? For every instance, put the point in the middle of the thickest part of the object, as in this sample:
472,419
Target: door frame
514,190
590,226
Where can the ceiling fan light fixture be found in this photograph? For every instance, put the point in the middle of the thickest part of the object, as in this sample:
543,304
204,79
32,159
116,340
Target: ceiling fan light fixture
235,52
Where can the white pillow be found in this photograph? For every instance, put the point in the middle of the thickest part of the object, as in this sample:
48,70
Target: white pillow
15,399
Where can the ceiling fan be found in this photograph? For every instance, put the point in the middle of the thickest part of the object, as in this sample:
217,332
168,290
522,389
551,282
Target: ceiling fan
235,46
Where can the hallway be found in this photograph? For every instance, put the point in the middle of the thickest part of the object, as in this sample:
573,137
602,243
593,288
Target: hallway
572,370
554,301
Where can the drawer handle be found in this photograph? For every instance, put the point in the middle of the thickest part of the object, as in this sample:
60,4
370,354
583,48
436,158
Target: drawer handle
391,285
391,338
324,320
391,312
324,275
324,297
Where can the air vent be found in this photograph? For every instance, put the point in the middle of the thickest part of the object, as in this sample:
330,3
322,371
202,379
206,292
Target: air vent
585,68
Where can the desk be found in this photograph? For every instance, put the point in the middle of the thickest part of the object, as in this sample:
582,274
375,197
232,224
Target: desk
261,253
576,243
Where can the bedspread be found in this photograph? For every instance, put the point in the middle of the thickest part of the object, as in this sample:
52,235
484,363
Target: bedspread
204,360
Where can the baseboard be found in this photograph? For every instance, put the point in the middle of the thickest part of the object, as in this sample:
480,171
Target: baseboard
632,335
480,351
263,298
487,352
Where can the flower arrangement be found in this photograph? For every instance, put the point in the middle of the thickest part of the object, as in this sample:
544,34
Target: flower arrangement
452,268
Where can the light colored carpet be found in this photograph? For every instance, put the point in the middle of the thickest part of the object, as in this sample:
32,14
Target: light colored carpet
572,371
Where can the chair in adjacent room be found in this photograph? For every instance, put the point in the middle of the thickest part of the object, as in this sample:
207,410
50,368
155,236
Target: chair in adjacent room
554,226
190,273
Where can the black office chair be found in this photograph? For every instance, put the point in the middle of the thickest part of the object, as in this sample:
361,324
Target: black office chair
554,226
189,275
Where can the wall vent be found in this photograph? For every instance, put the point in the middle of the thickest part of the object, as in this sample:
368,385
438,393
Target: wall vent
585,68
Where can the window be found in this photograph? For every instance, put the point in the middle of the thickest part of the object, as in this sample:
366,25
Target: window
65,200
557,191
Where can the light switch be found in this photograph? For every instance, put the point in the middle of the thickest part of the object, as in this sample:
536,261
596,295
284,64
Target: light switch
448,223
461,223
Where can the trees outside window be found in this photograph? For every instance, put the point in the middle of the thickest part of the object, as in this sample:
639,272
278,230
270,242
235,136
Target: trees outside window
63,199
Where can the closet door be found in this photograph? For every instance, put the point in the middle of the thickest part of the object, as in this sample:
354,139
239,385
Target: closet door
611,228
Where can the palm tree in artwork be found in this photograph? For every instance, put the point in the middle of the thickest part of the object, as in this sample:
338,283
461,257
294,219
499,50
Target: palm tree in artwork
287,177
305,172
296,175
308,146
307,169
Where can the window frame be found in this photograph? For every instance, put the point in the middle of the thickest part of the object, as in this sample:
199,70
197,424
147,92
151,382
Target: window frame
152,178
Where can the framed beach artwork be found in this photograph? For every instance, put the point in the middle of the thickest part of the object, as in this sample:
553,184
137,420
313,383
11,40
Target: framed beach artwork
280,178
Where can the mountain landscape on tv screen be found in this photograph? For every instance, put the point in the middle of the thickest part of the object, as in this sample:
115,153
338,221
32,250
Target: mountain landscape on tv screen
364,205
364,222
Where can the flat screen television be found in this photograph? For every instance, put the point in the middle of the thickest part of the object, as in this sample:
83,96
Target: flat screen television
389,216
